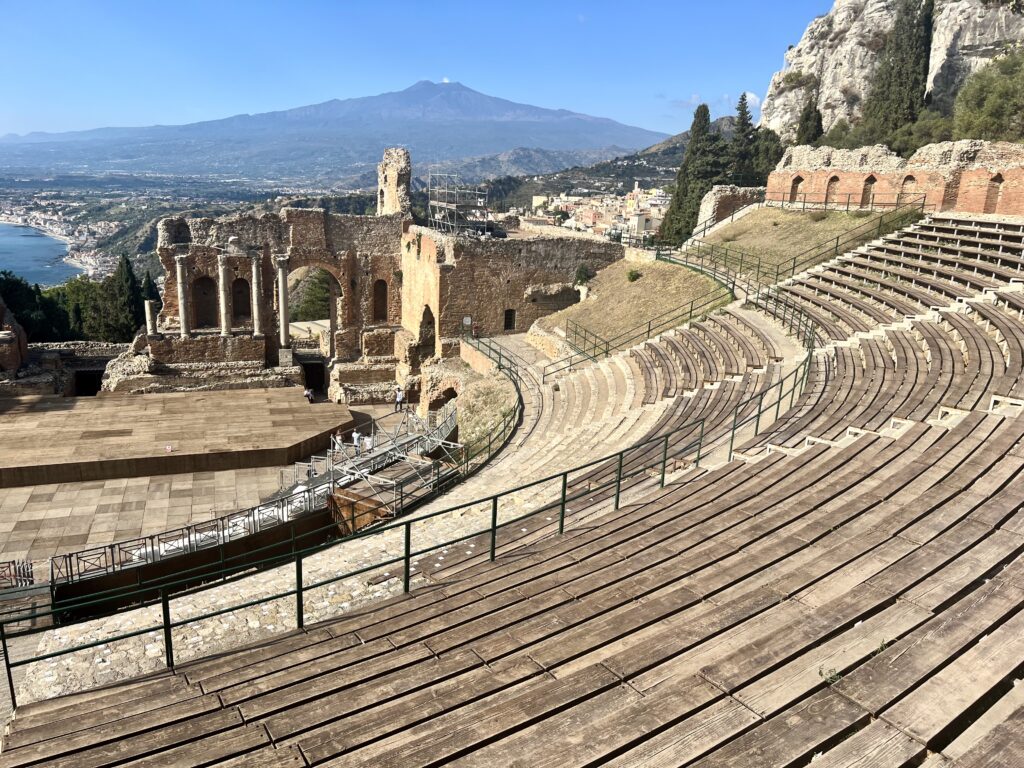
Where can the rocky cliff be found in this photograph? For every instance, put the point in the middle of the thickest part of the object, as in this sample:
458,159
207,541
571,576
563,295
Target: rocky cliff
838,53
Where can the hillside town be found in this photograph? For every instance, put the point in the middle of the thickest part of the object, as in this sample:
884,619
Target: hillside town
632,218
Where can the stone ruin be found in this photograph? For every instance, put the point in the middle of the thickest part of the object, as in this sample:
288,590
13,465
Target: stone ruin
13,343
401,296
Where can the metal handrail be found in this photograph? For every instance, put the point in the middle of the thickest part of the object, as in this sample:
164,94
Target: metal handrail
182,582
589,346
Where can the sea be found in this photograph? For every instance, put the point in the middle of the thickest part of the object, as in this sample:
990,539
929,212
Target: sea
35,256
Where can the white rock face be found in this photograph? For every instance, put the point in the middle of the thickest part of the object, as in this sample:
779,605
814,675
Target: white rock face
839,52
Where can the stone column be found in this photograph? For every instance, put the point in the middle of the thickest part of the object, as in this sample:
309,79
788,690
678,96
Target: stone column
256,284
181,264
224,294
282,301
150,318
332,317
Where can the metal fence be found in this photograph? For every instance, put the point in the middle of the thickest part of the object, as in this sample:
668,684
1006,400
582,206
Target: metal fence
648,459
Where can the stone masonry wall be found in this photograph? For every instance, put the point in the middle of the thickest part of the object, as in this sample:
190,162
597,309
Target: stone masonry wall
725,199
13,342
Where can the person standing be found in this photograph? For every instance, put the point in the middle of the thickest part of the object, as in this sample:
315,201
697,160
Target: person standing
399,398
356,442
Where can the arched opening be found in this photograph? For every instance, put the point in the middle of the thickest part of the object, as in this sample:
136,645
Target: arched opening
794,189
993,193
205,303
867,194
314,296
428,335
380,200
241,302
907,188
439,402
380,301
832,191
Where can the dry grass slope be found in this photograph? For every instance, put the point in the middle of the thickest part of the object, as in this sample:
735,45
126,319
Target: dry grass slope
615,304
776,235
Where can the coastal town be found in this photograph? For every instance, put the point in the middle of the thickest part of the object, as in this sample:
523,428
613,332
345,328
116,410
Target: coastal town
632,218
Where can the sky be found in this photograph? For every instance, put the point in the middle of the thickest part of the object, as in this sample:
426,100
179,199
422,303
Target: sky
78,64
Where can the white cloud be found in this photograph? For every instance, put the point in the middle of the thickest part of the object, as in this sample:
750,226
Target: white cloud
445,80
753,99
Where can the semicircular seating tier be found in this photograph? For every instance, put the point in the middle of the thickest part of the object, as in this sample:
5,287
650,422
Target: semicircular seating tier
855,599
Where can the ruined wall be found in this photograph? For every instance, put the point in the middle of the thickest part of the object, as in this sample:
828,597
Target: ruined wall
13,341
393,176
967,176
481,278
725,199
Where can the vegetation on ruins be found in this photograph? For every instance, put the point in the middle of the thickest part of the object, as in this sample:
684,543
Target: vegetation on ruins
314,300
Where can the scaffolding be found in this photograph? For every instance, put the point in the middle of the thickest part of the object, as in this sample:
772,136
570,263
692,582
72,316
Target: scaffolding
455,208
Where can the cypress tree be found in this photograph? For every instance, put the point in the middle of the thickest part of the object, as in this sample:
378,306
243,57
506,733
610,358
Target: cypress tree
809,129
124,313
704,164
150,291
768,150
902,76
742,145
76,320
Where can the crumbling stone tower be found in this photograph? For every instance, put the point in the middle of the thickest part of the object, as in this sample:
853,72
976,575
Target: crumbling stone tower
394,173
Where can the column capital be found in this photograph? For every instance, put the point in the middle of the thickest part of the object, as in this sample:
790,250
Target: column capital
222,259
181,259
281,259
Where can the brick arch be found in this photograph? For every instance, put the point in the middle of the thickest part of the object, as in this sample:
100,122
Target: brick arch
795,188
832,190
993,194
867,192
205,303
908,186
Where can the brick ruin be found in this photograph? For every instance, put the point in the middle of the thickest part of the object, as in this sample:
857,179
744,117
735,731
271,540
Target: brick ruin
402,295
969,176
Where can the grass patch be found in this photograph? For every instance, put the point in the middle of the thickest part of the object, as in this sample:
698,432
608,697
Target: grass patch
776,235
616,303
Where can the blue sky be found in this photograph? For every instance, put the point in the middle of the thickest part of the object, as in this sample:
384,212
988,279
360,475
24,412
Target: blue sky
75,64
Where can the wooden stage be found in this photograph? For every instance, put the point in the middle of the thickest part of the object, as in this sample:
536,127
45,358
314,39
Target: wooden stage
45,440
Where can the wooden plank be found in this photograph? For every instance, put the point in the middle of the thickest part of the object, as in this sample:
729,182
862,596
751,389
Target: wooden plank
879,745
210,749
1003,746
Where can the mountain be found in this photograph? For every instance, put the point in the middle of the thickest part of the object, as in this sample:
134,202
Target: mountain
328,142
836,58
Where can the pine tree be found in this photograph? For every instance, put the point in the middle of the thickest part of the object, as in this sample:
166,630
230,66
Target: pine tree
742,145
809,129
123,313
704,164
768,150
902,76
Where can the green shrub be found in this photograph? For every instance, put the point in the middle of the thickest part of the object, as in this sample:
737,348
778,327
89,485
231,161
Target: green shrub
633,275
817,215
584,274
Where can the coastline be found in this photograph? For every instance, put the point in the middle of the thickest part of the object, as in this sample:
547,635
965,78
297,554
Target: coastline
71,256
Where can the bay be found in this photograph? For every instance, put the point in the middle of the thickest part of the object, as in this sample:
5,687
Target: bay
33,255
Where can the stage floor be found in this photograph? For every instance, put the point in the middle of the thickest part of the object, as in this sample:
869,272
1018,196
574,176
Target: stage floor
46,440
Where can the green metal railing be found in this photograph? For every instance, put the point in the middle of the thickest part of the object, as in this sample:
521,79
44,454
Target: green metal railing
648,459
588,346
751,273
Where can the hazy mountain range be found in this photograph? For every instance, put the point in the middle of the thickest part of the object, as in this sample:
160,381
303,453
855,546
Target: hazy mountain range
340,141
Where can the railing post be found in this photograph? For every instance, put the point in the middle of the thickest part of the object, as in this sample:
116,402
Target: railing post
664,461
300,618
700,443
561,508
618,480
494,525
407,558
7,665
165,606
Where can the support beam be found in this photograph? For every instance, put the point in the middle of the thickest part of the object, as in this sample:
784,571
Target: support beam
181,272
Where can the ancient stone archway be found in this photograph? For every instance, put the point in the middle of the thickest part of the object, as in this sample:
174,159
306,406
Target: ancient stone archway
380,301
907,188
241,302
427,335
993,194
794,189
441,400
832,191
867,195
205,303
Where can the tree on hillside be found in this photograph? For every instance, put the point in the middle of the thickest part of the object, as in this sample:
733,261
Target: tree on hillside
315,300
741,148
809,129
768,150
123,312
990,104
704,164
902,75
150,292
40,316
